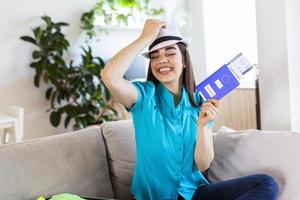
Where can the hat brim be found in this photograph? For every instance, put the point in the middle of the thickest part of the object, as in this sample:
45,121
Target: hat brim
185,41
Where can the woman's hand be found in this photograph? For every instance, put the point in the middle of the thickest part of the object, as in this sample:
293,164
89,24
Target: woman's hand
209,111
151,29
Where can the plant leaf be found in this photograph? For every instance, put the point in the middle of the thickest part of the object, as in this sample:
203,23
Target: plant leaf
62,24
28,39
53,98
48,93
55,118
67,121
36,80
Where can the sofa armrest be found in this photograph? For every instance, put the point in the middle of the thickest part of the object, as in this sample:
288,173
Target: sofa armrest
71,162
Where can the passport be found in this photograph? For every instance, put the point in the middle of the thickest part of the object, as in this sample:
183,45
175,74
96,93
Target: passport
225,79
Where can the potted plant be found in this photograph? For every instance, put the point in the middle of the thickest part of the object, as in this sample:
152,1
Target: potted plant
120,11
75,91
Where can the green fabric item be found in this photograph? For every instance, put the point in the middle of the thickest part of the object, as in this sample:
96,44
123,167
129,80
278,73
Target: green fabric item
66,196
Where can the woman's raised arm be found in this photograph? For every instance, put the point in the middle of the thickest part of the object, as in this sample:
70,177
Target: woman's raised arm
112,74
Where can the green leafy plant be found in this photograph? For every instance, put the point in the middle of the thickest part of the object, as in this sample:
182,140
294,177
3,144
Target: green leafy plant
74,90
108,11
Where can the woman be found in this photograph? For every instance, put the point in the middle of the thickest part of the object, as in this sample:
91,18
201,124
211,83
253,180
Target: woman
172,124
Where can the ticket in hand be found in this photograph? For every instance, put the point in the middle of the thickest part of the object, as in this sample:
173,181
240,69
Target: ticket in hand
225,79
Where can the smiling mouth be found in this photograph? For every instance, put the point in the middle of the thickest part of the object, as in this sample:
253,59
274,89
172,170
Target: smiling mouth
164,70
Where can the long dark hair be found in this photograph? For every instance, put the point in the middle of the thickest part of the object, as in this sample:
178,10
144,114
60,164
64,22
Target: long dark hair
187,74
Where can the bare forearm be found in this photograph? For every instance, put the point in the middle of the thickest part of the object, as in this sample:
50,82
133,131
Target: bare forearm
120,63
204,151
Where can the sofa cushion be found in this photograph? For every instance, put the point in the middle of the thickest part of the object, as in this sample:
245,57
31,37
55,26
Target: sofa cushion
248,152
121,154
67,163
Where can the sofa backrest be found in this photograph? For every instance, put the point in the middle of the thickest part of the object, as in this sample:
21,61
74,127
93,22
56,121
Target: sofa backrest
71,162
121,155
237,153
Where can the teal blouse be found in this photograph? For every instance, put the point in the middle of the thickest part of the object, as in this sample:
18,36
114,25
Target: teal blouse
165,142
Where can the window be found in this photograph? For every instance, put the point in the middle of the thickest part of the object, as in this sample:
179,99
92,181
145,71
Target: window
230,28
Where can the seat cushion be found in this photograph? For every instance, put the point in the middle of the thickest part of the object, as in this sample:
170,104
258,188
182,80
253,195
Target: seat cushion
248,152
121,154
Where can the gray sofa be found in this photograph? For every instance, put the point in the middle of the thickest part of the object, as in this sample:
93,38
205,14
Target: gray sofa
99,161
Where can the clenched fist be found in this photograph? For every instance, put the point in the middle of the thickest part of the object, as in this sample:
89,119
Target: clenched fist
151,29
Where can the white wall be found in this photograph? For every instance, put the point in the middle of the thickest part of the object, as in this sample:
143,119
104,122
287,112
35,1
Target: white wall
196,32
293,43
16,77
278,50
278,39
190,13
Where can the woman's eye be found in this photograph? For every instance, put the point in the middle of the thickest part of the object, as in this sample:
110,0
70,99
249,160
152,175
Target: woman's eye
171,54
153,57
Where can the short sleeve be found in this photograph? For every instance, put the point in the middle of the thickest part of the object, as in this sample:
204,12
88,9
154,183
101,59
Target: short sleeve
145,90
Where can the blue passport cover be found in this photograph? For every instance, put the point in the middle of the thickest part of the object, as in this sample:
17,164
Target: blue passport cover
219,84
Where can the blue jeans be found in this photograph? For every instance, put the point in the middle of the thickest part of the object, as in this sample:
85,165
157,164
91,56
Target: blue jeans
253,187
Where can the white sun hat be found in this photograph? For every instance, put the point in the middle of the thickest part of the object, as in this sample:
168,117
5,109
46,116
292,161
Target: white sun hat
167,36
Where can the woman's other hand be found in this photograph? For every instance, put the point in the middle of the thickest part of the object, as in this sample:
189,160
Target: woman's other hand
209,111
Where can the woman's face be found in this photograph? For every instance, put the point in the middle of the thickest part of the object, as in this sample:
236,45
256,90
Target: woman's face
166,64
